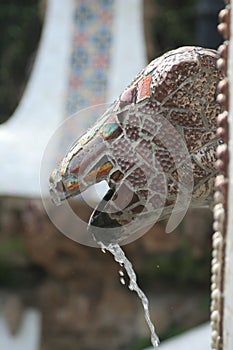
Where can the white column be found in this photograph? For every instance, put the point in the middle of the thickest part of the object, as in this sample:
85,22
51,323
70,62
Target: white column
128,49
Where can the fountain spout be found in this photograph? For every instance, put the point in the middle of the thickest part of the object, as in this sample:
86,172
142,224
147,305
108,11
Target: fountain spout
154,146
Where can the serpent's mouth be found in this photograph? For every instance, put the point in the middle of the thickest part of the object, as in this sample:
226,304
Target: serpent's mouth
106,216
79,170
62,187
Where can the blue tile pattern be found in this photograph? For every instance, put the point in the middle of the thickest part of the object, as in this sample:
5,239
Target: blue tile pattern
90,58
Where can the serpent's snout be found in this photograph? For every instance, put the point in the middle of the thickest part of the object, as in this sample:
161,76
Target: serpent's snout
56,187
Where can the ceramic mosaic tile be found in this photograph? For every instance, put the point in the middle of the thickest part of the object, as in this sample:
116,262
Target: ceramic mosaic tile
90,59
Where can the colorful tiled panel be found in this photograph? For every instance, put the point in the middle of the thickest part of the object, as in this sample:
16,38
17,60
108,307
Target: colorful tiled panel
90,59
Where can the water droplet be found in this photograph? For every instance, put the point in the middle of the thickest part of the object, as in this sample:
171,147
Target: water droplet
122,280
130,287
103,250
121,273
120,257
158,266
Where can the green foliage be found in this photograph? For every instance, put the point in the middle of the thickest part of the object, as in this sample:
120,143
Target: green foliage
20,27
11,249
174,24
140,344
16,270
179,266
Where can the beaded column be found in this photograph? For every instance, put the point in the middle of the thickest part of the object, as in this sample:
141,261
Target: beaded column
228,269
221,193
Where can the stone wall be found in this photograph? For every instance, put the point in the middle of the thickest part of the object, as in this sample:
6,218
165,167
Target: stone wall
77,288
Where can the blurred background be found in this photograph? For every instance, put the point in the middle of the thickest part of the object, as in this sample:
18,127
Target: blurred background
74,288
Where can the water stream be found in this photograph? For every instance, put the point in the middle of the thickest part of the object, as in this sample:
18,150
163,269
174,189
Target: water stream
120,257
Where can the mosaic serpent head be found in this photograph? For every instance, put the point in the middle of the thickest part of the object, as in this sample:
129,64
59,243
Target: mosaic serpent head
155,146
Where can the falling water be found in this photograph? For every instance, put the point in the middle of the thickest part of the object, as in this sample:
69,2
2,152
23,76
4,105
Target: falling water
120,257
